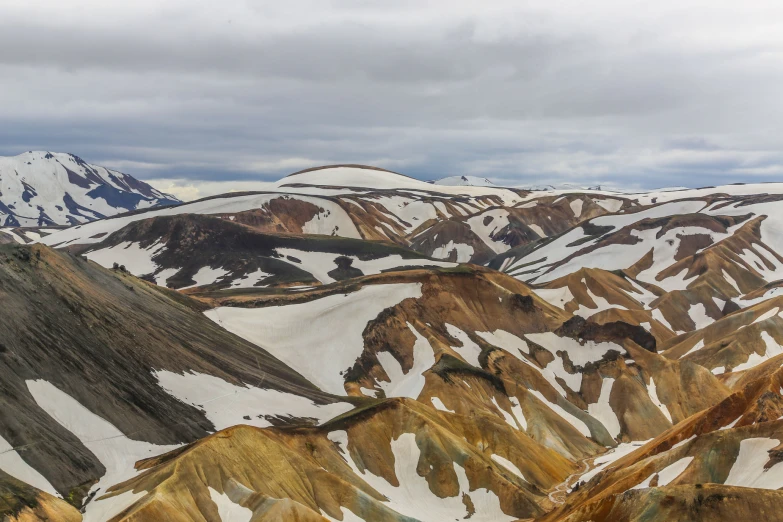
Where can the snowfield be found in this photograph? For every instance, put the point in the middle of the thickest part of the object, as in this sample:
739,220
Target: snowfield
305,336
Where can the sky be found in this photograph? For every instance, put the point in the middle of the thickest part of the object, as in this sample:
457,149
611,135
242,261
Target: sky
201,97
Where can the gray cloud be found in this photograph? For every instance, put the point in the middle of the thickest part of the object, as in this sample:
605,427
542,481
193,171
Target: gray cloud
677,93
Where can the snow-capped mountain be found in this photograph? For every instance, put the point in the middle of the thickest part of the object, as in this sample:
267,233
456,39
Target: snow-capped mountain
40,188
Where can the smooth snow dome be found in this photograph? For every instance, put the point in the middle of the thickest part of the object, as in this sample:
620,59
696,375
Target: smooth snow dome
385,180
114,450
748,470
320,339
227,404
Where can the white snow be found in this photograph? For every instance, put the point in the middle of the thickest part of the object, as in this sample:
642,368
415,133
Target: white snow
226,404
767,315
138,261
464,252
249,280
46,174
162,276
484,232
698,314
114,450
408,384
16,237
320,339
773,349
579,354
601,304
611,257
611,456
731,424
374,179
537,229
510,466
748,470
696,347
12,463
576,206
469,350
603,412
610,205
653,393
573,421
207,275
439,404
667,474
319,264
334,217
228,510
658,316
505,340
413,498
558,297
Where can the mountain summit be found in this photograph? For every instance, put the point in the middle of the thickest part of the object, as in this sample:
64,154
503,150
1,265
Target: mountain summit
40,188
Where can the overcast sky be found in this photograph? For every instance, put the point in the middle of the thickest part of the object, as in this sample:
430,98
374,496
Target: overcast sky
201,97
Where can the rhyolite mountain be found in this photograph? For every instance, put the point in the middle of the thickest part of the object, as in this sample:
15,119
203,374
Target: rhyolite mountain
40,188
354,344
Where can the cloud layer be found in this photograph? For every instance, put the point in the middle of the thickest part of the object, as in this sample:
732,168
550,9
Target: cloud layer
204,95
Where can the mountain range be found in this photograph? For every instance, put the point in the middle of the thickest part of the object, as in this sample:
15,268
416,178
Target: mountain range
354,344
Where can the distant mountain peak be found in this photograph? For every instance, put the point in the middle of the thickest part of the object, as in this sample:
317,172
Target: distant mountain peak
43,188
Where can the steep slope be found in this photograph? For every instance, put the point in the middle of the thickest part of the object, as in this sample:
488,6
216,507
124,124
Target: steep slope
91,360
44,188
